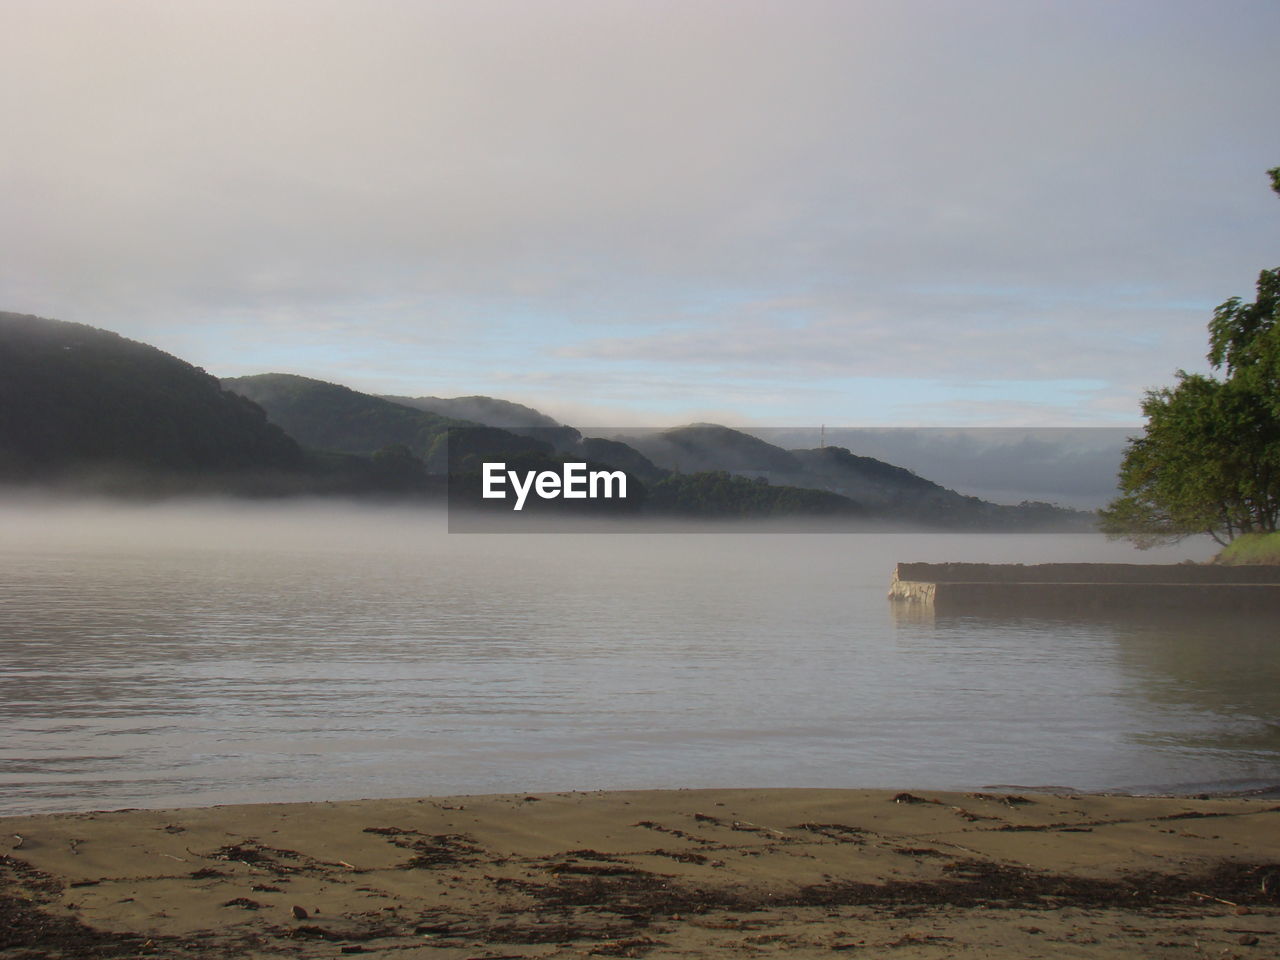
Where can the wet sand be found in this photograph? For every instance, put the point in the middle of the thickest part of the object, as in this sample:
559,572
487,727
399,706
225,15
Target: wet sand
695,873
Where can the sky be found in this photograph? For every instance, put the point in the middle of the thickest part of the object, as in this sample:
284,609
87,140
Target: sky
856,212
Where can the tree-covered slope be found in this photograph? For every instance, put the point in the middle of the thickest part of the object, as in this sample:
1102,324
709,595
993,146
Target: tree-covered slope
709,447
73,396
326,416
719,494
623,456
491,412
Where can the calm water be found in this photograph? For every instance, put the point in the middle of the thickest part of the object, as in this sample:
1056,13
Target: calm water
186,656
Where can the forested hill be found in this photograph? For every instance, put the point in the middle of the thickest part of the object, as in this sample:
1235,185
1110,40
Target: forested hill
74,397
884,489
327,416
491,412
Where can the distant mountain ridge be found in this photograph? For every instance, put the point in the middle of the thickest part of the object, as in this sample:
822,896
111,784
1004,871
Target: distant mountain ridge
716,455
881,487
73,396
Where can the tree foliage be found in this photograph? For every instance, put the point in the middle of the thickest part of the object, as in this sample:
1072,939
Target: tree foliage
1209,457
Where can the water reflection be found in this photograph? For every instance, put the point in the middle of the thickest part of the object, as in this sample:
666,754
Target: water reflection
1207,681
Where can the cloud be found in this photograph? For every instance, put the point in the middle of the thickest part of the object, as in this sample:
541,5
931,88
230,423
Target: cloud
994,190
916,335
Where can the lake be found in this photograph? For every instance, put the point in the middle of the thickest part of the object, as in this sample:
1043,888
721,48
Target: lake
188,654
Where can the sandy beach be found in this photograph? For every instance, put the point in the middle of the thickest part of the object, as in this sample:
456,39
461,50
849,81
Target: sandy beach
664,873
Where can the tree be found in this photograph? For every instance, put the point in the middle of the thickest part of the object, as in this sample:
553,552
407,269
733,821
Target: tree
1209,457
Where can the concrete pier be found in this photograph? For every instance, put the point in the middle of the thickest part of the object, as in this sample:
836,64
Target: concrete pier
956,587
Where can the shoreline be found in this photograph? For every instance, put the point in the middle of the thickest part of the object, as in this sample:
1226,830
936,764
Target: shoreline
1003,872
1196,791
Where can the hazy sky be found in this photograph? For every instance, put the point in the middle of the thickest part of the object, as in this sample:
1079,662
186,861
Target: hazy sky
792,212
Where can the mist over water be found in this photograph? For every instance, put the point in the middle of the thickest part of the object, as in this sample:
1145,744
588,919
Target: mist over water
185,654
